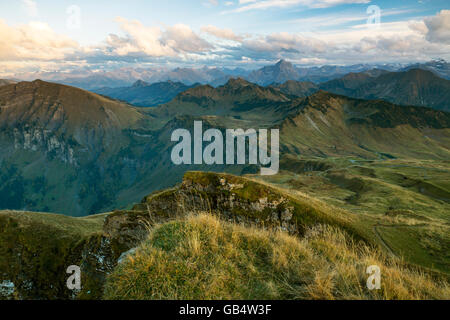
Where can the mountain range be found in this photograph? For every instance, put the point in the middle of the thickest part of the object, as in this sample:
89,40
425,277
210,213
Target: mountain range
284,71
144,94
440,67
413,87
76,152
278,73
126,77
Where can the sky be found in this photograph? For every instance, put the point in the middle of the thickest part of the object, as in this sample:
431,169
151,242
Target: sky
77,35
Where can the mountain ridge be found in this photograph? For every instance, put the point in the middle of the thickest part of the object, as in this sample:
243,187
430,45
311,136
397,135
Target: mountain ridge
144,94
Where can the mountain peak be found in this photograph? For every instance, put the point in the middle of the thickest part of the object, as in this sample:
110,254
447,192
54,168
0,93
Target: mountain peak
73,107
140,84
418,71
279,73
237,82
284,63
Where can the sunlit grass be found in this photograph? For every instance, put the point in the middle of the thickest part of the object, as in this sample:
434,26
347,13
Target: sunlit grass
202,257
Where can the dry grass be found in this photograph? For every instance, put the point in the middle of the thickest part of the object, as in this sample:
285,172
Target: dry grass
202,257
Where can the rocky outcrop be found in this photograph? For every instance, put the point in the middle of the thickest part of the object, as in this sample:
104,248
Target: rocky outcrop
234,199
35,138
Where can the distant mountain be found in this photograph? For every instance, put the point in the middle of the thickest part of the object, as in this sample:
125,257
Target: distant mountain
216,76
143,94
344,85
297,88
414,87
440,67
348,83
127,76
330,72
237,98
285,71
278,73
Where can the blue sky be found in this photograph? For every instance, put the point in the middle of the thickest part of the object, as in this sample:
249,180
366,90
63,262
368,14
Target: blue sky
69,35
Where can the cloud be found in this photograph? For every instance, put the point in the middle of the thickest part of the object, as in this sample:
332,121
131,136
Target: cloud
36,46
183,39
246,5
154,41
226,34
284,42
324,21
30,7
33,41
438,27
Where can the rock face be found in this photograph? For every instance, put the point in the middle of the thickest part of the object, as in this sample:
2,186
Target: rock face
32,138
232,198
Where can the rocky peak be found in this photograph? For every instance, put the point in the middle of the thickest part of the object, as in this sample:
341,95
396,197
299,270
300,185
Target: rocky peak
237,83
140,84
283,64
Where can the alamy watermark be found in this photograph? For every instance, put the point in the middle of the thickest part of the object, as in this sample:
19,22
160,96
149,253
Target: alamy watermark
73,21
74,280
374,20
234,146
374,280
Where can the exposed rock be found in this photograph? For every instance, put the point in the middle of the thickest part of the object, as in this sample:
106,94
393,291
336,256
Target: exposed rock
39,139
126,254
7,289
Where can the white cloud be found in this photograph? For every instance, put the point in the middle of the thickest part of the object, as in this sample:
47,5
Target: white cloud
139,38
439,27
284,42
182,39
335,19
246,5
33,41
226,34
155,42
36,45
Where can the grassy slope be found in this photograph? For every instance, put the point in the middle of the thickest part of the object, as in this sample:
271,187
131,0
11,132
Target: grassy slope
402,205
205,258
336,126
